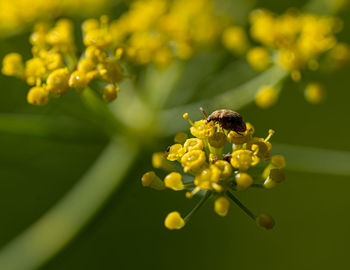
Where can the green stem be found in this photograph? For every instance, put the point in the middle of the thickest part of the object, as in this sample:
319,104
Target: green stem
46,237
241,205
198,205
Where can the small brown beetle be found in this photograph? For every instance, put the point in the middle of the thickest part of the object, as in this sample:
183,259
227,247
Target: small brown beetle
227,119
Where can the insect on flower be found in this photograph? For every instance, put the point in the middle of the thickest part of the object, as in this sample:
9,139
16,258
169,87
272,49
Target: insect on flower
211,170
227,119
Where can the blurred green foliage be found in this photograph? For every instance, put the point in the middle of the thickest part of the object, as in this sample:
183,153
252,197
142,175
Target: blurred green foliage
310,209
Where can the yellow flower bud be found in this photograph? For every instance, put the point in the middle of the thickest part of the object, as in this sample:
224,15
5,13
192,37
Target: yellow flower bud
265,221
174,221
12,65
221,206
37,96
235,39
34,70
151,180
266,97
243,181
78,80
90,24
110,92
259,58
57,82
314,93
174,181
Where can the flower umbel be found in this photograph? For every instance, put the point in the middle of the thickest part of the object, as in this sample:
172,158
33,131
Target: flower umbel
217,164
55,68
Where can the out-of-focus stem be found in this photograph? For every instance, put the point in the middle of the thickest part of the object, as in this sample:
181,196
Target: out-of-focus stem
42,240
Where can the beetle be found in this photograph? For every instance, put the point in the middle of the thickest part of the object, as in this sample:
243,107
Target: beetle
227,119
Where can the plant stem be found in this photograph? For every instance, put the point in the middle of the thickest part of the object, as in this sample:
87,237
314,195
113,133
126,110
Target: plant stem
241,205
42,240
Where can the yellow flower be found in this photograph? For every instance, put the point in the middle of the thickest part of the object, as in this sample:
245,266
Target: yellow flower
193,160
202,130
175,152
266,97
174,221
78,80
224,167
236,138
207,177
110,71
193,144
174,181
37,96
243,159
57,82
221,206
314,93
51,59
34,70
235,39
259,58
12,65
61,36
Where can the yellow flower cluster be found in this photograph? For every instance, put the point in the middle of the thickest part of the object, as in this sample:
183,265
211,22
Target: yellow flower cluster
156,31
217,163
54,67
294,40
19,13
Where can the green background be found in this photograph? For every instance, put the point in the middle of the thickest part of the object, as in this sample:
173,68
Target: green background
311,209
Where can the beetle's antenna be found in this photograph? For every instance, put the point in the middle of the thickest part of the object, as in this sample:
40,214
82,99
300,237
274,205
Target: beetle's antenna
205,114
